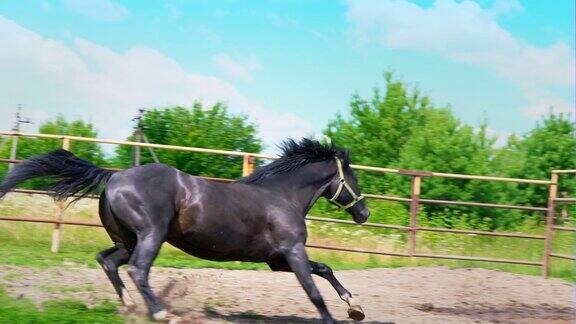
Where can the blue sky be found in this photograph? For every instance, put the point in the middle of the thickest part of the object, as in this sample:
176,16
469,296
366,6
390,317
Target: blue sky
289,65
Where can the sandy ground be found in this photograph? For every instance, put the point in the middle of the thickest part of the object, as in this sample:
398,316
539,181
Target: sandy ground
403,295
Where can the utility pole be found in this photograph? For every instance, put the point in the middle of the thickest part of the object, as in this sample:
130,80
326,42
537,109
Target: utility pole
16,128
151,150
138,136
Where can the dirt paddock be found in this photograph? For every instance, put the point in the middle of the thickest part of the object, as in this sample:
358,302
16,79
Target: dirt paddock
402,295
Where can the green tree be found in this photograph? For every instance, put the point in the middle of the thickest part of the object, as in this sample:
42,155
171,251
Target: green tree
28,147
377,129
197,126
551,145
444,144
509,160
402,129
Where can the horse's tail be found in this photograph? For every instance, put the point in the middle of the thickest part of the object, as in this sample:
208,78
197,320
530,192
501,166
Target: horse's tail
73,176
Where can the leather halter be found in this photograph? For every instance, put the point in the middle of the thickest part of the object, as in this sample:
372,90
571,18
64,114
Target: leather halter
343,184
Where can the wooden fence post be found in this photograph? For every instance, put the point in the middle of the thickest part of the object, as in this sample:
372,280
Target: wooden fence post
247,165
57,232
13,151
550,224
414,205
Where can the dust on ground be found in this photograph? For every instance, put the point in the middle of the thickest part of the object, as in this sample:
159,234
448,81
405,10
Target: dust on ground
401,295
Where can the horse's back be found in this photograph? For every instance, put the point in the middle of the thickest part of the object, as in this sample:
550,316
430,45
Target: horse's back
150,179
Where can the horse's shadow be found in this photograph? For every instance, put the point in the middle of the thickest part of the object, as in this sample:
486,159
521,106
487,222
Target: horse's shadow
249,317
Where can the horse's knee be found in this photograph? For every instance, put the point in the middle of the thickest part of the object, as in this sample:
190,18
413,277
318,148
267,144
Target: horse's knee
137,274
100,258
107,266
326,270
133,271
322,270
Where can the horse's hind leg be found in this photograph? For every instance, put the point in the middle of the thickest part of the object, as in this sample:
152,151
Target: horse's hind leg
110,260
144,253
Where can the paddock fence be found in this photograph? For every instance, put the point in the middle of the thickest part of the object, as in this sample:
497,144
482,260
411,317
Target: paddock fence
414,201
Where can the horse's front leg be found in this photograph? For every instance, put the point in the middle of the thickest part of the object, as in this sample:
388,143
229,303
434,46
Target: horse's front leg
320,269
354,310
297,260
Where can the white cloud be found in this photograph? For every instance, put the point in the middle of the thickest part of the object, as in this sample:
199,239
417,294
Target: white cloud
98,9
501,137
544,104
96,83
466,33
541,102
505,7
240,70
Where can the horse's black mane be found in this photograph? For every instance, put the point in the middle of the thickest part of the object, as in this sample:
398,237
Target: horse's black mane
295,155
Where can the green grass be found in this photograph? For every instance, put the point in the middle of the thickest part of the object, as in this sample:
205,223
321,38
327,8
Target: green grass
79,247
31,247
23,311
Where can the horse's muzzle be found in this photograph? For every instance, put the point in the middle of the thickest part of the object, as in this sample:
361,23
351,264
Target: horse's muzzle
362,216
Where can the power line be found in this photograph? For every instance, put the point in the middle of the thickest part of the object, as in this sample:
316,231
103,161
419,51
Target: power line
16,128
19,119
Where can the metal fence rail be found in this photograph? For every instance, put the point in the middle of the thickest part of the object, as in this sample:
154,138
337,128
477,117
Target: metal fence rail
414,202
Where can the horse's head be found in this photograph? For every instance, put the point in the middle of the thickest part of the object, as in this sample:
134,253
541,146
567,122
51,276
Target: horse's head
343,190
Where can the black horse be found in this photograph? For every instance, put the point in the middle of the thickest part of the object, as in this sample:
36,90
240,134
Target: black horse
259,218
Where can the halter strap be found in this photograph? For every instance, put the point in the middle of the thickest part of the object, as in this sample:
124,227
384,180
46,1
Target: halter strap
343,184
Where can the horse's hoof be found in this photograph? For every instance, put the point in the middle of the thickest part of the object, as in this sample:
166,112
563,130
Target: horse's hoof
356,313
164,316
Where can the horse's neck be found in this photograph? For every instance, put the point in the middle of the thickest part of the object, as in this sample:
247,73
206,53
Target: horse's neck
304,185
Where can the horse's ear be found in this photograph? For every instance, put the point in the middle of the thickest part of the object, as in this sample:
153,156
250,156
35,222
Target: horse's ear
347,156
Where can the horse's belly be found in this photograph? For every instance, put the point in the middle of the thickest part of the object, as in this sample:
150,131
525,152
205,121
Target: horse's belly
225,248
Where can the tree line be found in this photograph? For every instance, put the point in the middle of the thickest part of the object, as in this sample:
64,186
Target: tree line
396,127
400,128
